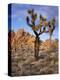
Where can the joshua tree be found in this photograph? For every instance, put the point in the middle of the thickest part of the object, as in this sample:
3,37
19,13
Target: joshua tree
51,25
39,29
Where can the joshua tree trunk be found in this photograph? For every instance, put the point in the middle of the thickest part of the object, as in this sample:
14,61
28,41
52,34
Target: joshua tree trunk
36,47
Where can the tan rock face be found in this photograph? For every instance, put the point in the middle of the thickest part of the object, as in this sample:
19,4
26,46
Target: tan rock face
16,39
22,37
49,45
19,33
11,36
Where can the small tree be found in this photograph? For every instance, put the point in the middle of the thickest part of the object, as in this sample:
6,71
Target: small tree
40,28
51,25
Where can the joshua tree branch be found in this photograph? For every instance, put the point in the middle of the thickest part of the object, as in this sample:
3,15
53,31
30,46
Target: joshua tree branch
43,32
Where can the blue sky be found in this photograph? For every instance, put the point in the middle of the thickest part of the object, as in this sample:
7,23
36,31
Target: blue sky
19,13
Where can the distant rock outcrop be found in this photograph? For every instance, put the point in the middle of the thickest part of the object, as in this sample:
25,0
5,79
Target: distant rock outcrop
22,37
49,45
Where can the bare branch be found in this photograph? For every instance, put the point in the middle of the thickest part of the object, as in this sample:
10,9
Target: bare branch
43,32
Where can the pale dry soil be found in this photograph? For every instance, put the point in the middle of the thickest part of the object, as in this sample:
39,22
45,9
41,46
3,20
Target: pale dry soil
23,62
